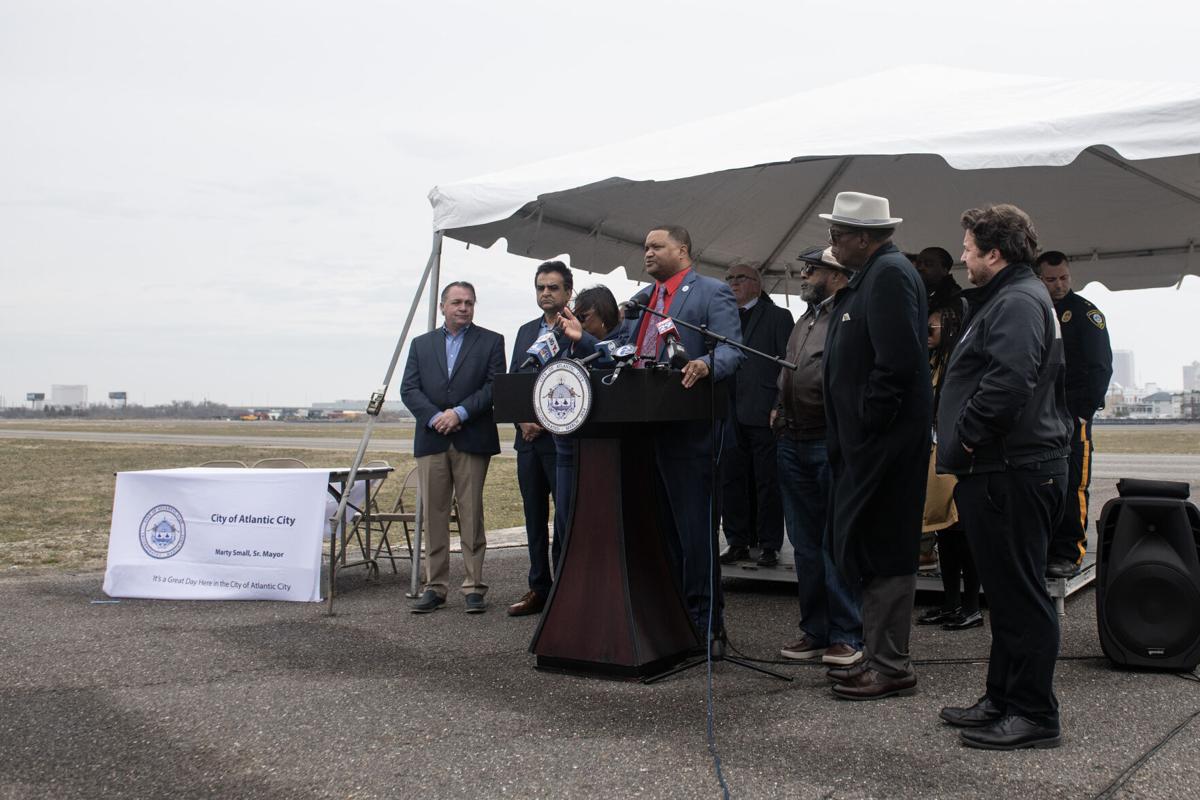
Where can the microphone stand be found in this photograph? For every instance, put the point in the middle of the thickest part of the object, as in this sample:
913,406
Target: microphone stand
714,646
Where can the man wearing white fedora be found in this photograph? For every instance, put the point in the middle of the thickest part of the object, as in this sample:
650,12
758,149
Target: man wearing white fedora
878,406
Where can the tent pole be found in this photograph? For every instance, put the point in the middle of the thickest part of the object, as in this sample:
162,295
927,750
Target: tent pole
435,275
373,409
1132,170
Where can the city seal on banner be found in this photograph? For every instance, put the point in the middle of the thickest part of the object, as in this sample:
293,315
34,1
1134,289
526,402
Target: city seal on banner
562,397
162,532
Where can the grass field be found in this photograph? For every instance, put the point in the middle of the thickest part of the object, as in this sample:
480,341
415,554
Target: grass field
1180,439
56,496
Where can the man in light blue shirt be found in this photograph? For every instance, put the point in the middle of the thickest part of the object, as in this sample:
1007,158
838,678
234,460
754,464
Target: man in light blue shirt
447,385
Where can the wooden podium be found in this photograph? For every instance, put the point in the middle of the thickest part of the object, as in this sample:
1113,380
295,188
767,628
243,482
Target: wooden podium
615,608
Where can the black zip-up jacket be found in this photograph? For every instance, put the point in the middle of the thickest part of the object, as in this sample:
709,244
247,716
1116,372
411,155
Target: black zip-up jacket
1004,392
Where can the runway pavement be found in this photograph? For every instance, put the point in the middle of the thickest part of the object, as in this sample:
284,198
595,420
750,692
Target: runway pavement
155,699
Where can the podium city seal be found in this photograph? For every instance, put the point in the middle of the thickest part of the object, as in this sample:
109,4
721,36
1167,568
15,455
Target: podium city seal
562,397
162,532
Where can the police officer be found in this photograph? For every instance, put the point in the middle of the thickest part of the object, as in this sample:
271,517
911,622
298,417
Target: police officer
1089,369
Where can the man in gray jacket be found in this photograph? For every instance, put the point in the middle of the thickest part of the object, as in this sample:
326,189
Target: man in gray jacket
1004,429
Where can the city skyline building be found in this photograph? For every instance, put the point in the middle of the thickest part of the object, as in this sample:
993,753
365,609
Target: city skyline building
1123,369
1191,376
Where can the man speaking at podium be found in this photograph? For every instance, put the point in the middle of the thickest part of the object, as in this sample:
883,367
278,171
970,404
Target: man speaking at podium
682,449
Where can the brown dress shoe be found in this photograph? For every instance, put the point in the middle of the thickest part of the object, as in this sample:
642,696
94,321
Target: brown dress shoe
873,685
531,603
843,674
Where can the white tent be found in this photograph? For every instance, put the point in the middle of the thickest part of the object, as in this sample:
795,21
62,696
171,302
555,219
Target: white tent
1109,171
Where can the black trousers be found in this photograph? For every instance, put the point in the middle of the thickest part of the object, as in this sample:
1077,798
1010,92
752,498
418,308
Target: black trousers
536,473
960,579
1009,517
1069,539
751,507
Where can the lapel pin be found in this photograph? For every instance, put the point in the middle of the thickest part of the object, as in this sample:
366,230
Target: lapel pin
685,288
846,317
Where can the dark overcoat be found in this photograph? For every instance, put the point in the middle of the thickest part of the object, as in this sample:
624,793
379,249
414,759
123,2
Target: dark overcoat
878,409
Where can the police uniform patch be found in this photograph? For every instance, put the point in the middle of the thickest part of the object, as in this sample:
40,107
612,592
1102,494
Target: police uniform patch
1066,317
1097,318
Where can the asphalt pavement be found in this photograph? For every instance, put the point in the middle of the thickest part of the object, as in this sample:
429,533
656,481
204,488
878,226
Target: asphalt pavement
163,699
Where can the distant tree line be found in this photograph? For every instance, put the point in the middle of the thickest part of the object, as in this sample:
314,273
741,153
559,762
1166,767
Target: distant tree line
176,409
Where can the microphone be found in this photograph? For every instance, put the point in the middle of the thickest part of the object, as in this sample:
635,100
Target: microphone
543,350
675,351
629,309
623,356
603,353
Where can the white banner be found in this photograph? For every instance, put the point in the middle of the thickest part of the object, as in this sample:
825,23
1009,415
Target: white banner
217,534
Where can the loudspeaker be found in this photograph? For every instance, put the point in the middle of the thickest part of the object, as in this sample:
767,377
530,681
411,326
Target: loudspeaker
1148,577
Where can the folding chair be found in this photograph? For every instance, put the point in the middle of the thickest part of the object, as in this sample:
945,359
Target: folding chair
405,513
358,529
226,463
280,463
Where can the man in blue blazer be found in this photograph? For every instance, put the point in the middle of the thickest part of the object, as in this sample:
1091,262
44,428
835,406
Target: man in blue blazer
682,449
536,454
447,386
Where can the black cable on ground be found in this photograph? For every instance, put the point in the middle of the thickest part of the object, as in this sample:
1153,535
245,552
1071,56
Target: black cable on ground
714,586
1110,790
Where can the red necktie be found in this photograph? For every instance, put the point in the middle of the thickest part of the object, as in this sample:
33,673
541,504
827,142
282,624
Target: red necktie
649,349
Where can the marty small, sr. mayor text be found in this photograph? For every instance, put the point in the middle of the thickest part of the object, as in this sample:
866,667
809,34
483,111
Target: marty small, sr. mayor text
229,552
221,584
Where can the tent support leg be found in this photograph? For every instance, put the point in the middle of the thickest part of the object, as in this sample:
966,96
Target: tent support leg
431,269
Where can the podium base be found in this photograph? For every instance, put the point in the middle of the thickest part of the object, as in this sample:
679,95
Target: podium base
620,672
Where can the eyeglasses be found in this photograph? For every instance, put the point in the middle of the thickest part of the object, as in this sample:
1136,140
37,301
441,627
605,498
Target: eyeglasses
808,268
835,235
732,279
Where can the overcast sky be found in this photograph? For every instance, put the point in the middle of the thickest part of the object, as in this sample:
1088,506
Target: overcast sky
227,200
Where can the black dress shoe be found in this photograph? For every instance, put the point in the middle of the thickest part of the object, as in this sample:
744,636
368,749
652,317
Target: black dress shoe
768,557
962,621
1061,568
936,616
1012,733
430,601
984,712
734,553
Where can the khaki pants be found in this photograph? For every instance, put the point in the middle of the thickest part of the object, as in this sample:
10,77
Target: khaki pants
461,475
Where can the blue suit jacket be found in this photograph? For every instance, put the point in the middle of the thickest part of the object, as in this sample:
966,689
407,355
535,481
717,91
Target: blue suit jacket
701,301
427,388
526,335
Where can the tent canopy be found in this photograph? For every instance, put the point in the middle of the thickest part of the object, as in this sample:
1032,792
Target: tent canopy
1109,171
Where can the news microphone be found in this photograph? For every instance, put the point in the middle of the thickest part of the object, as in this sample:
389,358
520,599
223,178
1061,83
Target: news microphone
603,353
676,353
623,356
543,349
